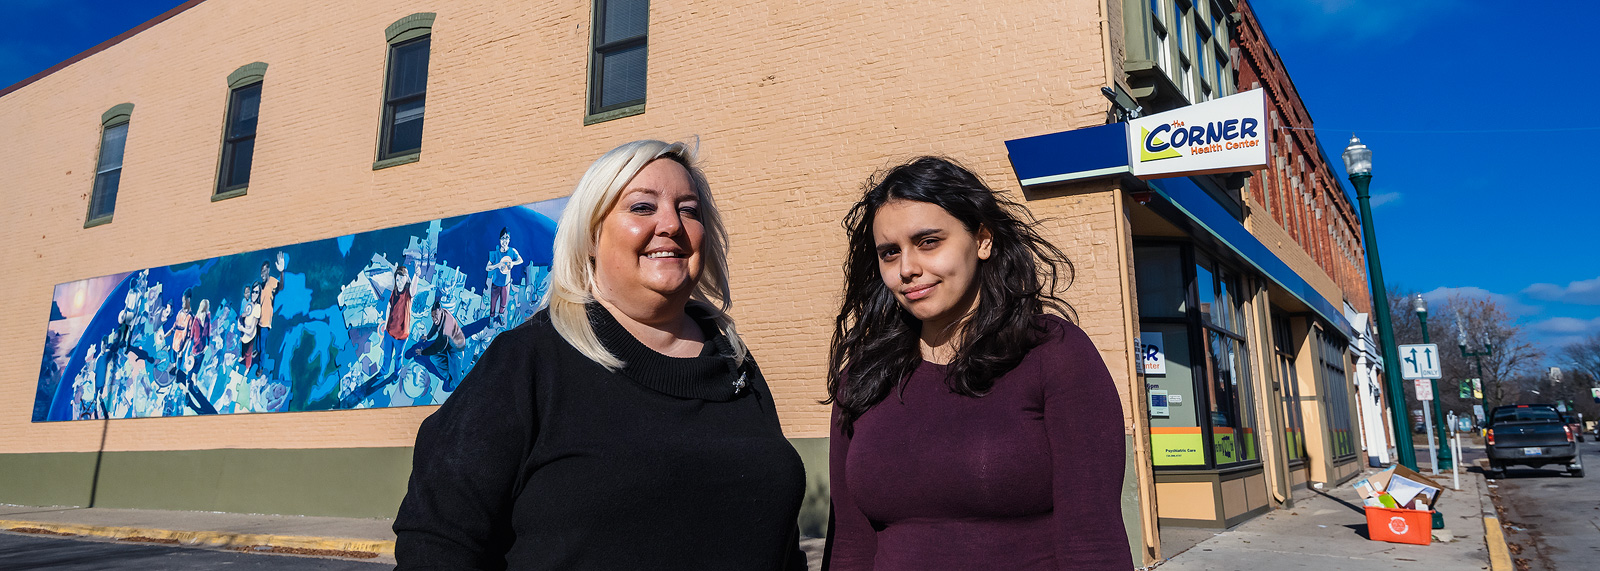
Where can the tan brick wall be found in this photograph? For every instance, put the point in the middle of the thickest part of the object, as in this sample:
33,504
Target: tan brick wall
795,105
1287,249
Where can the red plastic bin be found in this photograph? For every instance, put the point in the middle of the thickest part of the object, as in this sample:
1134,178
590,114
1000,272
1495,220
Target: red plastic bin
1400,526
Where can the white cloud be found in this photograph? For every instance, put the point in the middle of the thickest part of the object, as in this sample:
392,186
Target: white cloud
1581,292
1569,326
1385,198
1509,304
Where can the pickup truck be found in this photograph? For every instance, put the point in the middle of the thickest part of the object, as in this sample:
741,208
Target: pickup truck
1532,435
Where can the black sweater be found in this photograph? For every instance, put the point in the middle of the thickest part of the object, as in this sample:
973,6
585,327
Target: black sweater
543,459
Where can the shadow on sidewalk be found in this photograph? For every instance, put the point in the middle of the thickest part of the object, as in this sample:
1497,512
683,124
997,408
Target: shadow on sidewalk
1361,530
6,514
1353,507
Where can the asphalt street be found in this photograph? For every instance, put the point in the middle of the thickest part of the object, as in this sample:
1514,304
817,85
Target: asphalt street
1552,519
24,551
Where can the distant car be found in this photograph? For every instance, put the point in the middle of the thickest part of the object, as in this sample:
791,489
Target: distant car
1532,435
1575,426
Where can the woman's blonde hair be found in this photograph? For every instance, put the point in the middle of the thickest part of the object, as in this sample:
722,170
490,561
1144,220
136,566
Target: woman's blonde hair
572,267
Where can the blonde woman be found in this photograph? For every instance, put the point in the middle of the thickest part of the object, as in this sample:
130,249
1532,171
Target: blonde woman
624,426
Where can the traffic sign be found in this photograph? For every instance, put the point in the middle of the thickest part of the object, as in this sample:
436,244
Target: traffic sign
1424,389
1419,361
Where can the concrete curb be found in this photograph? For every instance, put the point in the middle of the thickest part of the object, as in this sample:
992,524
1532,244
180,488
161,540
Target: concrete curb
1493,536
212,538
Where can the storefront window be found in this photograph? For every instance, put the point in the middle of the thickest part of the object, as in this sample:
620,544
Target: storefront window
1175,408
1293,420
1336,392
1205,417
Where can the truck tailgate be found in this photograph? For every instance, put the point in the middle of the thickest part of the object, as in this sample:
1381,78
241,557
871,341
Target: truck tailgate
1529,434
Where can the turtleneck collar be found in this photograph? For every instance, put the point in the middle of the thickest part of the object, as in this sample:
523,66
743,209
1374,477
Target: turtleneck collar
710,376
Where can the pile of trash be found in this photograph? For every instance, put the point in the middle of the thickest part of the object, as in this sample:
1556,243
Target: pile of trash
1400,505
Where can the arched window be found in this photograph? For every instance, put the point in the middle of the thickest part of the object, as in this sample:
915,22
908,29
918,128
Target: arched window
405,88
239,130
108,167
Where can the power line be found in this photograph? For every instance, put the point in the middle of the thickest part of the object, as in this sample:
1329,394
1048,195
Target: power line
1443,131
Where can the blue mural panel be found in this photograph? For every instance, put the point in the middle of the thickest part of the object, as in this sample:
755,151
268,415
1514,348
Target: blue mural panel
391,317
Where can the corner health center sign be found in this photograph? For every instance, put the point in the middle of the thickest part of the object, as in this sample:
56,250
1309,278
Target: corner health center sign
1221,135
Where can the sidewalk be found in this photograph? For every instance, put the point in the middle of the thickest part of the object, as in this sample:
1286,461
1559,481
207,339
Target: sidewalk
329,536
370,539
1327,529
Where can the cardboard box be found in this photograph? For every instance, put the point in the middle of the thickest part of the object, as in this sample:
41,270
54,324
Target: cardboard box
1379,482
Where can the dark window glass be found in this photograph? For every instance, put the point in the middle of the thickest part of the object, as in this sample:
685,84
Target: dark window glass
1336,393
625,19
404,98
623,79
108,171
1159,272
1205,285
1232,424
617,66
1523,414
239,142
1289,381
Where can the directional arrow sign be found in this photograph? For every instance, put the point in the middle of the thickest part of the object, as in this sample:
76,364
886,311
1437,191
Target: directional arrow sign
1419,361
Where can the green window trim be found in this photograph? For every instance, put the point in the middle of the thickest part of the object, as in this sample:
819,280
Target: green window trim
116,115
602,117
247,74
397,160
409,27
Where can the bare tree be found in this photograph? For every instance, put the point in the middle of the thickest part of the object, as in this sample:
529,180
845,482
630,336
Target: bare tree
1509,374
1513,363
1585,355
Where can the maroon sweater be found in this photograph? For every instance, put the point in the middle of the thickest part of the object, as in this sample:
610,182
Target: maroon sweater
1028,476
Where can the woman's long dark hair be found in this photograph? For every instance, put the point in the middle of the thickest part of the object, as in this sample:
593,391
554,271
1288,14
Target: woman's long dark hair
875,341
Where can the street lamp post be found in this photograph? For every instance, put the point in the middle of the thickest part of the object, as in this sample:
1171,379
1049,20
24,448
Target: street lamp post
1488,351
1358,163
1441,428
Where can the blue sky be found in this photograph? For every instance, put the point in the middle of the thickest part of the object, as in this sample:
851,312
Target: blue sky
1479,159
1479,165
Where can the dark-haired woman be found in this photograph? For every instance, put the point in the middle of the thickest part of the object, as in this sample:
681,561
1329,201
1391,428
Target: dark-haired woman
971,429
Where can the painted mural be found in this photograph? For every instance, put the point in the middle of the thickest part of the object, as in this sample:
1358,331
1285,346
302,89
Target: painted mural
391,317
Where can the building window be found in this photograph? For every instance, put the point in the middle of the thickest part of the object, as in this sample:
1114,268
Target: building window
1177,433
617,58
1194,309
1191,45
405,90
1336,393
108,166
239,130
1229,402
1293,421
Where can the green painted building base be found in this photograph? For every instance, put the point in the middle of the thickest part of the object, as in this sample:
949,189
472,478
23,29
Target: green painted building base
343,482
338,482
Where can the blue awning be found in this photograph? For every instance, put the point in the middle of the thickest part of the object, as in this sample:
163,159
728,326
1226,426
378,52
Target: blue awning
1203,210
1102,151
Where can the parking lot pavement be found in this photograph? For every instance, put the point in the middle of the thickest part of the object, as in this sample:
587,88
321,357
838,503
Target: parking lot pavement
1552,520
